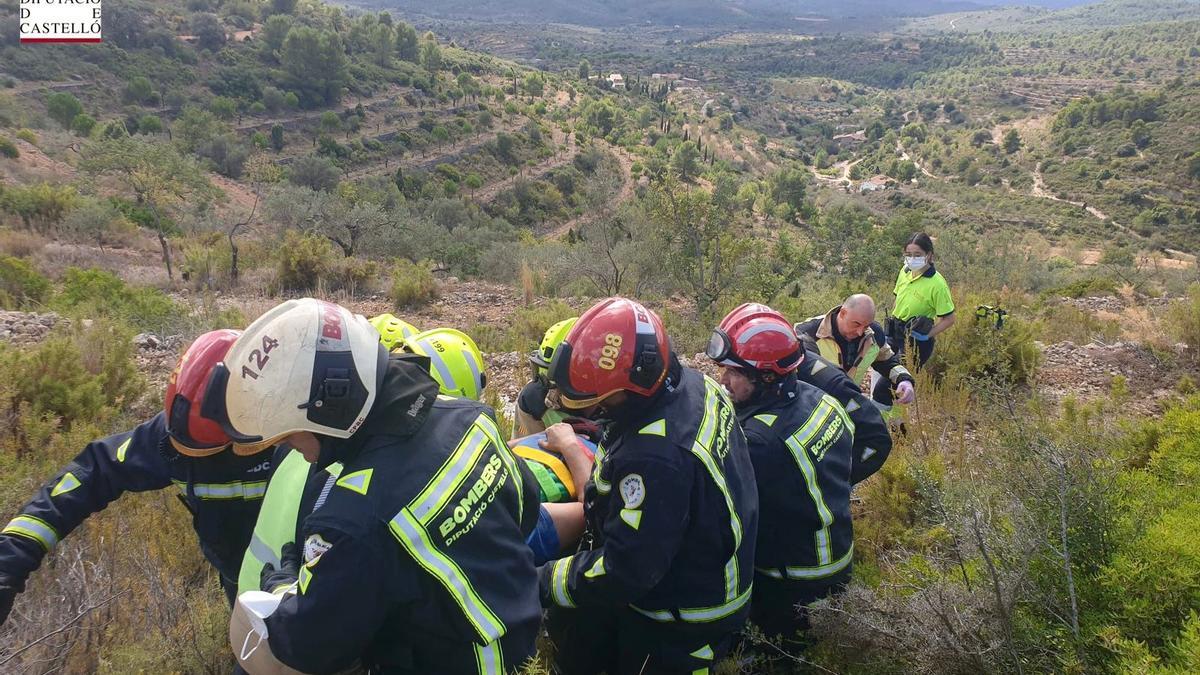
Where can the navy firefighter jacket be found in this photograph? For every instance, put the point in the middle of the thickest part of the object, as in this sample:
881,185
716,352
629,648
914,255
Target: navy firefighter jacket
800,443
672,513
872,440
222,491
414,559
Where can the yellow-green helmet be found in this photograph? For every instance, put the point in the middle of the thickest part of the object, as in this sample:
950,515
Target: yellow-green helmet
456,362
550,341
392,331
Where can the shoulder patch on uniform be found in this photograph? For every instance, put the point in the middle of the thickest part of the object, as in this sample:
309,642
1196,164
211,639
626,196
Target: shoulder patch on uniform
852,406
868,453
658,428
69,482
314,547
633,490
122,448
705,653
818,367
359,481
766,418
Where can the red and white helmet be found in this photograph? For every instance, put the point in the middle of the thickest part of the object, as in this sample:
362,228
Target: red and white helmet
190,432
617,345
756,337
306,365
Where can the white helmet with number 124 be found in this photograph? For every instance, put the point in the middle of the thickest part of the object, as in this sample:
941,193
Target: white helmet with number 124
306,365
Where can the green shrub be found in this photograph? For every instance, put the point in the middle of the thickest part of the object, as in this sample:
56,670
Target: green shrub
1087,287
1183,321
413,284
1153,579
39,206
81,375
304,260
28,136
975,348
8,149
150,124
206,261
63,107
98,222
353,275
528,324
83,124
95,293
21,286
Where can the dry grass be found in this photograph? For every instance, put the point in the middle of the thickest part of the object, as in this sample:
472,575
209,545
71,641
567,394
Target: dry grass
19,244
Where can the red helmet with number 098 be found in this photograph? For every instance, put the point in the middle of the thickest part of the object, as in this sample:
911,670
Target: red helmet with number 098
617,345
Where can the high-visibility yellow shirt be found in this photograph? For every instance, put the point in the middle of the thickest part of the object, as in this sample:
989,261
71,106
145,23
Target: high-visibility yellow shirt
927,294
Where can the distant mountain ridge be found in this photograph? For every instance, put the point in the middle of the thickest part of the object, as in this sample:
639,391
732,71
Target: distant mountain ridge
691,13
1028,18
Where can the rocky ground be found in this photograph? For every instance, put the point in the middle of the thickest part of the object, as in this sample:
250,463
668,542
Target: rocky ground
1087,372
1084,371
462,304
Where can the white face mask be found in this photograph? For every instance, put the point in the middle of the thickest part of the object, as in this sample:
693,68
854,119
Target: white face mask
914,262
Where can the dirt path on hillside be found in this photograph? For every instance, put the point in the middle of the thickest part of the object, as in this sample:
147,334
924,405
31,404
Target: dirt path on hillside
391,94
905,156
563,155
445,154
624,195
843,169
35,161
1039,190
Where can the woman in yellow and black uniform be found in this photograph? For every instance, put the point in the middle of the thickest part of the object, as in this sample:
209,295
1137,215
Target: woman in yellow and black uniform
923,306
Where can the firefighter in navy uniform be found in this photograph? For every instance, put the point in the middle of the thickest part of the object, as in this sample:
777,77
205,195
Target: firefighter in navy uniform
872,440
222,486
662,581
534,412
416,561
800,442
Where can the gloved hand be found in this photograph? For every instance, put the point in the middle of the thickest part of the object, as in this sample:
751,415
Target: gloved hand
8,593
288,572
919,337
906,393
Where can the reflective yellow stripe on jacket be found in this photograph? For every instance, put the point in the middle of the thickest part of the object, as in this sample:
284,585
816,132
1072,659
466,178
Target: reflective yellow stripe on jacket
276,523
409,525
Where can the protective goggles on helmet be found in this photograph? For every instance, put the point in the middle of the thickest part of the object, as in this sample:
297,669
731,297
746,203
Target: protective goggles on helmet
720,349
181,440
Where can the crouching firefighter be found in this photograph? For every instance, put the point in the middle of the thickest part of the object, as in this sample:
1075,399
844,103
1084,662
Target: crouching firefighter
416,561
663,579
220,483
800,443
537,404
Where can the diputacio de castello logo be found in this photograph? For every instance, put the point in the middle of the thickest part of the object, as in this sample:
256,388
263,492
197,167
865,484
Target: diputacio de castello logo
60,21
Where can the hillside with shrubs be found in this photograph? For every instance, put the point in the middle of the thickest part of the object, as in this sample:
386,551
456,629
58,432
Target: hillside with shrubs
212,158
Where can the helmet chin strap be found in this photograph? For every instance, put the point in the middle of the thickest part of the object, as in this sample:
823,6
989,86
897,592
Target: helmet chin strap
767,385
